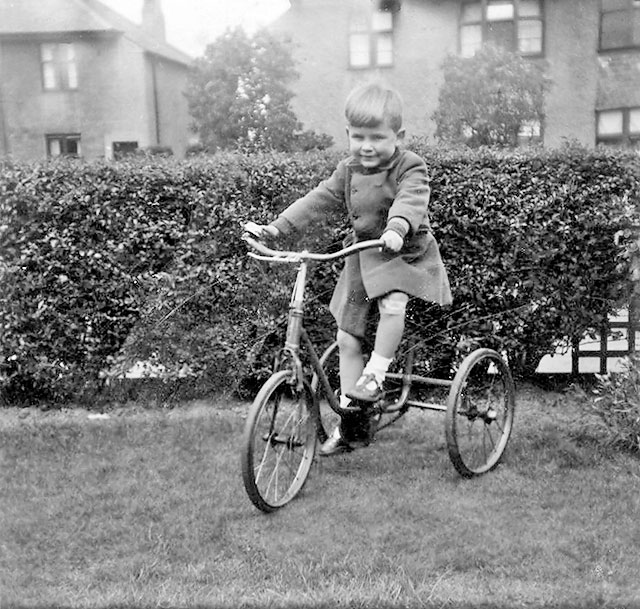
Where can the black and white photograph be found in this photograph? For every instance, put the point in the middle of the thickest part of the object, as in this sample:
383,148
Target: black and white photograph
319,304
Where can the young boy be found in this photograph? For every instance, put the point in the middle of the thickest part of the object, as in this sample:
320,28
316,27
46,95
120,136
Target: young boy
385,192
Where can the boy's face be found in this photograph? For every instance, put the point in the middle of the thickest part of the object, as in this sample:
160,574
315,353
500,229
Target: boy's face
373,146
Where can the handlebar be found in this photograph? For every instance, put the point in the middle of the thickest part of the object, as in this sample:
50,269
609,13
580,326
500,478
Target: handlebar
266,253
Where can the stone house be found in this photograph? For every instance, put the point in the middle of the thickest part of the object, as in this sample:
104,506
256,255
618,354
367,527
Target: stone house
591,49
77,78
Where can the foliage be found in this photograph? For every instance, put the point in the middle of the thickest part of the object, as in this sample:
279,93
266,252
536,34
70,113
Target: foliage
536,242
487,98
618,405
238,95
105,265
75,241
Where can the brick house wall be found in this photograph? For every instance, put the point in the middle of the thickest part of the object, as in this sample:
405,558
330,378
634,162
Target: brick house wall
584,79
125,93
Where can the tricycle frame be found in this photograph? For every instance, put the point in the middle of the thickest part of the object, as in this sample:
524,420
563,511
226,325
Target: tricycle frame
291,402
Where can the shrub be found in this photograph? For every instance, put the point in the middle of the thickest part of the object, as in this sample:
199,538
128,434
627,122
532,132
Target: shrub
107,264
618,405
536,242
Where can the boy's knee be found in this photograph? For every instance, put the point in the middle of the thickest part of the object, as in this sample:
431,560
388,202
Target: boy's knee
394,303
347,342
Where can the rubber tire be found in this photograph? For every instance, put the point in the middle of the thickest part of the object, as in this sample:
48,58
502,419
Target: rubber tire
504,423
278,382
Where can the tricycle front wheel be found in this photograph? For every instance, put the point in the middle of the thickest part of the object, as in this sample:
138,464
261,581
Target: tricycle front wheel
279,442
480,411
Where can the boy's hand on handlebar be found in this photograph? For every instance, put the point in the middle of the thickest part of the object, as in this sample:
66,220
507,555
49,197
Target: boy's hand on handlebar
261,231
393,242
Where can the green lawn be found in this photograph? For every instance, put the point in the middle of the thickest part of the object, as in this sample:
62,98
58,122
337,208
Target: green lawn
147,508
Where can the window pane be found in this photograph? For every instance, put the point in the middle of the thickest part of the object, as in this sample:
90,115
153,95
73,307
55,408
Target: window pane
359,23
610,122
529,8
46,52
73,146
616,30
53,146
499,10
359,50
382,21
530,36
471,11
634,120
530,129
635,36
502,34
68,52
384,50
470,39
72,76
49,76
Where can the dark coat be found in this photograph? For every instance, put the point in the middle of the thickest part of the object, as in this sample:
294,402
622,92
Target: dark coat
399,189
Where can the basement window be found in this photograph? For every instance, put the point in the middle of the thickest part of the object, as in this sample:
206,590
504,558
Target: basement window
63,145
619,127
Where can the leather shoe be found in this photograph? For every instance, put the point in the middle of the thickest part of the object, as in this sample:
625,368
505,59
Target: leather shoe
367,389
334,445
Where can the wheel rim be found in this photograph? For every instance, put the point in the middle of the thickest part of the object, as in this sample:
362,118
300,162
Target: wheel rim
480,415
282,446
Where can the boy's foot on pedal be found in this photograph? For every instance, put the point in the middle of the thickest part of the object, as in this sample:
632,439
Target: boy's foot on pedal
367,389
334,444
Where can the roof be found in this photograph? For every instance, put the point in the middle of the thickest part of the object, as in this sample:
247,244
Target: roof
49,17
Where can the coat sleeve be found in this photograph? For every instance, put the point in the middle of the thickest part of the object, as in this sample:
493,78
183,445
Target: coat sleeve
411,202
328,196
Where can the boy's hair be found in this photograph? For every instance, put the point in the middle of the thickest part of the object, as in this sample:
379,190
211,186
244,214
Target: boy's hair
372,105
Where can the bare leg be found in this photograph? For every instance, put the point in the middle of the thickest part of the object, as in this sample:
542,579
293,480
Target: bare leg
389,334
351,360
391,325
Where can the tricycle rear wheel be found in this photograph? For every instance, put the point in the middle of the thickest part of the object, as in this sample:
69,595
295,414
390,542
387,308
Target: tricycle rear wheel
480,411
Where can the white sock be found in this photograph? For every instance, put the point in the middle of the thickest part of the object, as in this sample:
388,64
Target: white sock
378,366
344,401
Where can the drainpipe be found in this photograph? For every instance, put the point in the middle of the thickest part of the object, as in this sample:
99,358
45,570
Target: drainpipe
3,119
156,101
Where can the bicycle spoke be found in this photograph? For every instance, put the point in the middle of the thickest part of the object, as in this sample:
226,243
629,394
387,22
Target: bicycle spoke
280,441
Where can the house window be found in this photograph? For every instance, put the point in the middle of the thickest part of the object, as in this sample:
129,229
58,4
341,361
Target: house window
371,40
530,134
619,127
63,145
59,69
123,149
619,24
515,25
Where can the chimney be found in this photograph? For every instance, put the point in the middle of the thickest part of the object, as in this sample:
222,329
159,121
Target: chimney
153,19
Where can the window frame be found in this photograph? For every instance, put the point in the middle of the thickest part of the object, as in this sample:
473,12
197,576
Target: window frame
483,22
63,139
124,148
530,134
64,70
625,138
632,13
364,25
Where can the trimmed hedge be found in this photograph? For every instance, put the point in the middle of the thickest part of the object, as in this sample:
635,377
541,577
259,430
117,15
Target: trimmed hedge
106,264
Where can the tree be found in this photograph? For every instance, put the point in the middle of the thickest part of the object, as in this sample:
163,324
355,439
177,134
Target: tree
238,95
486,99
